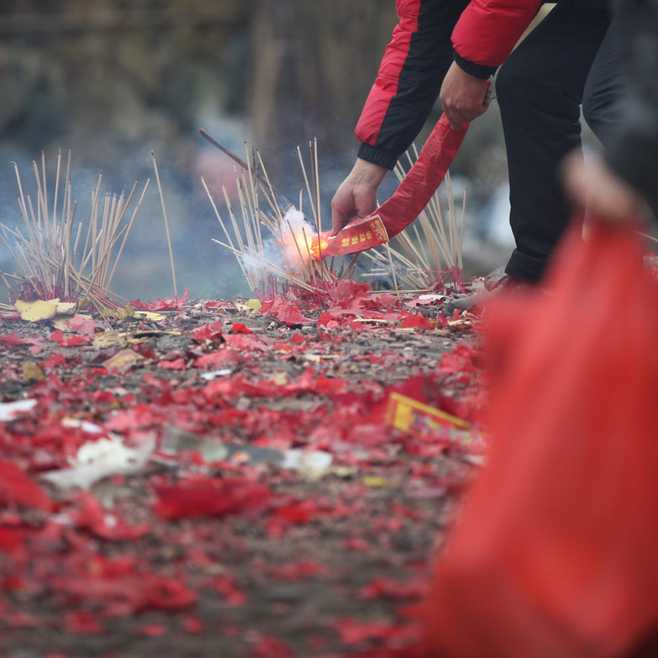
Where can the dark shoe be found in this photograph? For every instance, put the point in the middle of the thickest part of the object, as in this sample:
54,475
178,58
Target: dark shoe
497,278
489,286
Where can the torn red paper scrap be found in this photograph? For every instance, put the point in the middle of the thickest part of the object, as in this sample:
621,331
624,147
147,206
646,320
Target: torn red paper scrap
12,540
387,588
212,332
91,516
81,324
245,342
121,586
271,647
175,364
228,588
240,328
171,304
13,340
285,311
417,321
65,340
202,496
19,489
222,358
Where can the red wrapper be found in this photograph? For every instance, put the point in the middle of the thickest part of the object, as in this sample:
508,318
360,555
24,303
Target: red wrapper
358,236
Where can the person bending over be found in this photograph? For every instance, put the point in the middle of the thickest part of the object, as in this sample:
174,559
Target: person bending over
570,60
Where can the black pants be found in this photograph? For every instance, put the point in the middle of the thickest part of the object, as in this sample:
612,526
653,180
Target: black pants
571,59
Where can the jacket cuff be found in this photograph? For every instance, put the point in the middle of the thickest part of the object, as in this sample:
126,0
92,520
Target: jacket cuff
378,156
476,70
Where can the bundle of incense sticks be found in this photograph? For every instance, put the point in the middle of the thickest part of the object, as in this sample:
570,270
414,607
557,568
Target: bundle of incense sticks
58,256
272,241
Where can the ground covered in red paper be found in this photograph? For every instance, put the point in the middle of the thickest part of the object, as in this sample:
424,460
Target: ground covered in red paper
267,507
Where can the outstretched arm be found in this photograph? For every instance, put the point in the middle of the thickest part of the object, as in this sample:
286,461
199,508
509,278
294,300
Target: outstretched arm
409,79
407,85
415,63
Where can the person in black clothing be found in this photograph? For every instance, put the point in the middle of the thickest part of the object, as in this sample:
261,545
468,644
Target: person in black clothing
571,59
624,185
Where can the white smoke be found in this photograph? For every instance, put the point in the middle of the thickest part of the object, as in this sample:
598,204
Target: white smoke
289,251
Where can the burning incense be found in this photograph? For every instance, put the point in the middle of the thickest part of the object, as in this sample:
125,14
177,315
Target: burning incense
274,240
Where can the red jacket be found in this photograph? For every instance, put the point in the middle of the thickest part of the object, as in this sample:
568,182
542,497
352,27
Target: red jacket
416,60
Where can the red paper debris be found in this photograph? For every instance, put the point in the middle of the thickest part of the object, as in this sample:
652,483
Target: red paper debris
285,311
412,321
66,340
226,586
18,489
168,304
13,340
200,496
82,325
90,515
271,647
175,364
240,328
212,332
220,359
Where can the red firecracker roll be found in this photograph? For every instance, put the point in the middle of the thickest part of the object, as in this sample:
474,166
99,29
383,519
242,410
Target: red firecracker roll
408,201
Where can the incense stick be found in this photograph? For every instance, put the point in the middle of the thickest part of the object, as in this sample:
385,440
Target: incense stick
165,216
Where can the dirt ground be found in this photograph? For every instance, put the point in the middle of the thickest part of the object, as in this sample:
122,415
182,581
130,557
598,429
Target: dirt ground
216,546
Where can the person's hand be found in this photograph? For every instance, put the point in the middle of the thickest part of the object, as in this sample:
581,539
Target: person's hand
593,186
463,97
357,195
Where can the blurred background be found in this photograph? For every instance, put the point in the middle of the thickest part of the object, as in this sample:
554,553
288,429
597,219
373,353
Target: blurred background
114,80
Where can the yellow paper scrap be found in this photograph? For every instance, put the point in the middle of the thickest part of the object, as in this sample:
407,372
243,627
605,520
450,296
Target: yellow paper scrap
253,305
31,372
66,308
109,339
375,482
123,361
149,315
37,311
406,414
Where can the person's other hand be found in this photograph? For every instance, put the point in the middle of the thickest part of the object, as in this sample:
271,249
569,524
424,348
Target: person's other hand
592,185
357,195
463,97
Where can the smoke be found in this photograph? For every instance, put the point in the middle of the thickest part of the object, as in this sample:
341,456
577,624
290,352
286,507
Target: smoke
289,251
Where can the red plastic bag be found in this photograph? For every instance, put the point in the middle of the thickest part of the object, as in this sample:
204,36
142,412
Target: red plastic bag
555,552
